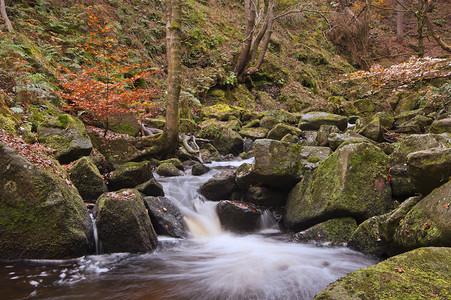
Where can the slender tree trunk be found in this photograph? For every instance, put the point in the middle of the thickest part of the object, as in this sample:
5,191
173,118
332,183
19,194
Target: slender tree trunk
5,16
399,23
173,43
421,16
243,59
437,38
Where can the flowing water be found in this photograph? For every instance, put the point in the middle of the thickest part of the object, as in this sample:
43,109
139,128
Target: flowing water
210,264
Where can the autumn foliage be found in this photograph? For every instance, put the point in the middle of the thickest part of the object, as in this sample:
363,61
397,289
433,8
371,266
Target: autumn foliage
104,86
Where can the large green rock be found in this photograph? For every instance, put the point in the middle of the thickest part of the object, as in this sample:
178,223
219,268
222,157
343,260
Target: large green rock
419,274
280,165
375,235
87,179
352,182
129,175
254,133
314,120
281,130
221,112
428,223
429,168
223,136
123,224
441,126
67,135
335,231
41,213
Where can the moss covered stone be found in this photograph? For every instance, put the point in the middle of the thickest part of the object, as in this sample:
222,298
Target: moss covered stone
314,120
87,179
225,139
352,182
335,231
419,274
130,174
428,223
441,126
280,130
123,224
167,169
67,135
41,216
254,133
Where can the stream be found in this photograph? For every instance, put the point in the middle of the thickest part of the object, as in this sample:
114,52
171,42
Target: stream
210,264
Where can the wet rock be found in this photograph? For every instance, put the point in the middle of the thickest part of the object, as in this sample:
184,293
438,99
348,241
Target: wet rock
123,224
280,165
314,120
199,169
130,174
168,170
428,223
280,130
335,231
41,215
219,187
263,196
67,135
151,188
441,126
209,152
429,168
416,274
175,162
401,184
352,182
375,235
238,216
166,217
87,179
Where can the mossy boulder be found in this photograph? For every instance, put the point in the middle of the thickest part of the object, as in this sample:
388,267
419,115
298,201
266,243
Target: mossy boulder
364,105
314,120
129,175
352,182
266,101
123,224
269,122
375,235
349,137
87,179
168,169
334,231
280,165
125,124
223,136
166,217
238,216
115,151
199,169
374,130
41,214
254,133
221,112
281,130
441,126
419,274
419,121
67,135
428,223
429,168
322,138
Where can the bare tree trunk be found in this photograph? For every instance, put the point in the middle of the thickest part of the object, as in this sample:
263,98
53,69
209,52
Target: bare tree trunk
5,16
399,23
423,6
243,59
174,17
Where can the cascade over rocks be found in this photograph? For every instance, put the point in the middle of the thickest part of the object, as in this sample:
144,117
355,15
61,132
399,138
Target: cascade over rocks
130,174
417,274
123,224
166,217
280,165
238,216
41,216
352,182
67,135
87,179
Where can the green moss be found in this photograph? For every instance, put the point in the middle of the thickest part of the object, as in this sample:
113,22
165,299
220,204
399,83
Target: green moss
313,160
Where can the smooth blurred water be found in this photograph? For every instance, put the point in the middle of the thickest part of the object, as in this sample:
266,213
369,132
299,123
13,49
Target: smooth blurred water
211,264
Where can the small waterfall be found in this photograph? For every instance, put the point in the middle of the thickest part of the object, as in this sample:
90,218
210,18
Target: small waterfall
268,221
97,242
